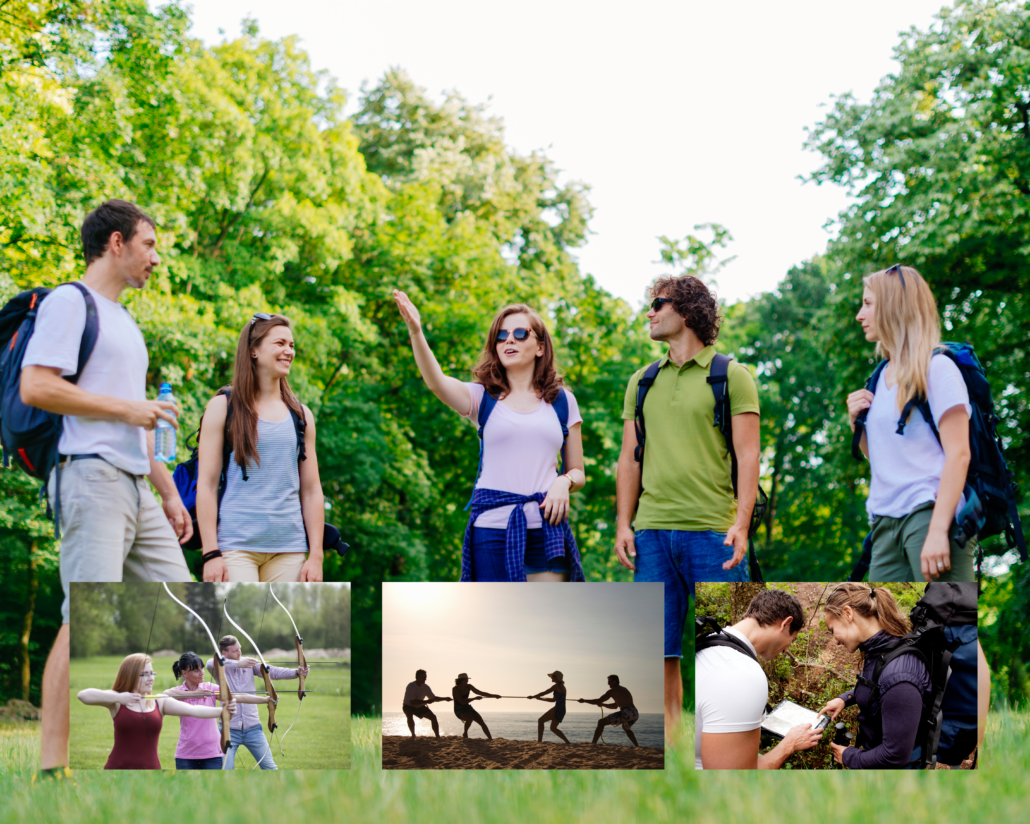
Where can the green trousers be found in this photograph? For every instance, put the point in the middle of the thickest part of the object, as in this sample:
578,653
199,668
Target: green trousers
898,543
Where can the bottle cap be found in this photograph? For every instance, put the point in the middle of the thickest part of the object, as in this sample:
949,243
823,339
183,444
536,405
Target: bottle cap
165,387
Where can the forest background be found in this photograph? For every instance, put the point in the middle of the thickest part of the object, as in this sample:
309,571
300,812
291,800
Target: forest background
269,199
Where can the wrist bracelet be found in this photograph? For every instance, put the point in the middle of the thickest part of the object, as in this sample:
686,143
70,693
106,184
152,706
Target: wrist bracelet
207,556
572,481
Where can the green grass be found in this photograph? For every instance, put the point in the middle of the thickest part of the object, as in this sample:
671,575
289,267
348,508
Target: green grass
997,792
319,740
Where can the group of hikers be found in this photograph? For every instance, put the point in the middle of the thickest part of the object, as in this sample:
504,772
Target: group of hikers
418,695
138,714
919,697
687,481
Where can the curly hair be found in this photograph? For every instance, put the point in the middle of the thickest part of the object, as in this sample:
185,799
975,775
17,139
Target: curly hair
692,301
490,371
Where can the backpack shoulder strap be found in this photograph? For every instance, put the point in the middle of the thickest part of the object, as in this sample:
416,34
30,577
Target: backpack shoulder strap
486,406
856,438
718,378
226,438
561,409
90,332
300,426
643,385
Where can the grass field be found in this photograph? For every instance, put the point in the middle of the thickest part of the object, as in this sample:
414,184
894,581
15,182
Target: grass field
998,792
319,740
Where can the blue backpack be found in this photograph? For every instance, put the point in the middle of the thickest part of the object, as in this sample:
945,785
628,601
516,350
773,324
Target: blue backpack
29,435
990,491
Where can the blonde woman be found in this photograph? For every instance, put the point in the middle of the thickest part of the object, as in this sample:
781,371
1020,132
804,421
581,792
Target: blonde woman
917,481
868,620
557,713
137,714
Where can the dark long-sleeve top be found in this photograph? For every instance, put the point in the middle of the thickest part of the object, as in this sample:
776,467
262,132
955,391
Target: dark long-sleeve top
888,723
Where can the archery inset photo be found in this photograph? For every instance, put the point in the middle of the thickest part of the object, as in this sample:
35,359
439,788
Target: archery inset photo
204,676
501,676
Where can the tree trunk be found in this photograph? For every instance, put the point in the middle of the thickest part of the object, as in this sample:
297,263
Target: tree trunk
26,625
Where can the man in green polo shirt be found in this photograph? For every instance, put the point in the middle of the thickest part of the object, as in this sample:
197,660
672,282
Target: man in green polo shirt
688,524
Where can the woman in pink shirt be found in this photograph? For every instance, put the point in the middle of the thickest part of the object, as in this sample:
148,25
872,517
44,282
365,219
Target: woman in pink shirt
137,714
200,746
518,529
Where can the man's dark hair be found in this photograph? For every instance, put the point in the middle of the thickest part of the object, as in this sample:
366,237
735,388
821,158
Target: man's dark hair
770,606
420,672
614,678
109,217
693,302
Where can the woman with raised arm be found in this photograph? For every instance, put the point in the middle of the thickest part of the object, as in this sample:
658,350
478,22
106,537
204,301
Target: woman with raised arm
463,704
199,746
917,465
518,529
869,621
557,713
260,521
137,714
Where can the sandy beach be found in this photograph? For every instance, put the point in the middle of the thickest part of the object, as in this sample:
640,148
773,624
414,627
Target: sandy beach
456,753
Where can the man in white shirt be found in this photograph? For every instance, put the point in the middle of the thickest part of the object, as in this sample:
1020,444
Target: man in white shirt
111,524
417,697
731,689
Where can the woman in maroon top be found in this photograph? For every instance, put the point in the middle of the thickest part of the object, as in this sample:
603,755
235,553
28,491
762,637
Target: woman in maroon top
137,714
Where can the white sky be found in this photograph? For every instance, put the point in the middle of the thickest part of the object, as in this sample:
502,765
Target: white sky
675,113
507,637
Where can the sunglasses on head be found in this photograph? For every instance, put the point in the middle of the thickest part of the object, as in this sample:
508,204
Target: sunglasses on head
656,304
897,268
257,316
519,334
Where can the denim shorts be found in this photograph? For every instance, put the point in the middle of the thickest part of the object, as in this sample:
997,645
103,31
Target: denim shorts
678,559
488,554
198,763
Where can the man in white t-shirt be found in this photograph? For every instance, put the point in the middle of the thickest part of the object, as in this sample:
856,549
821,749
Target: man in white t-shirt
731,690
417,697
112,527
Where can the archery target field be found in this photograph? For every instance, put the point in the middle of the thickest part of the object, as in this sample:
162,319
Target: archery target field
509,638
110,621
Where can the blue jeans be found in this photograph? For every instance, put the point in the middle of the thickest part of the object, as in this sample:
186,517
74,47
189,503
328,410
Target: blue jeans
214,763
488,554
678,559
253,738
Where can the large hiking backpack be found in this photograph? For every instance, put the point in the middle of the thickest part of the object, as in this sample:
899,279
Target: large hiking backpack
943,637
486,406
990,491
719,381
29,435
185,475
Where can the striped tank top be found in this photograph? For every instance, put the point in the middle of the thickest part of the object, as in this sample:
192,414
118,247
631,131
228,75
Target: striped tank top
262,513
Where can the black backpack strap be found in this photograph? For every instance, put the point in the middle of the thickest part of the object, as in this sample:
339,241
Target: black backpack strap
856,438
713,635
227,443
300,426
643,385
561,409
719,380
90,332
865,559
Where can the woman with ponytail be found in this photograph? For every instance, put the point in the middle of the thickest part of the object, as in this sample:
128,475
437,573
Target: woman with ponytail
868,620
200,746
137,714
917,481
268,513
518,529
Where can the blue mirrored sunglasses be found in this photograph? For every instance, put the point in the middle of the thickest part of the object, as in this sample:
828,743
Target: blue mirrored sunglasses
519,334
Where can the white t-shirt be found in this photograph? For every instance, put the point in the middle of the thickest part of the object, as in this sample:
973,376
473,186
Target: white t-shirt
520,454
117,367
906,469
730,692
416,692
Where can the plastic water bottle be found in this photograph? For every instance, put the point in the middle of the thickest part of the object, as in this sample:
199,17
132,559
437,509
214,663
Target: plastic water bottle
164,436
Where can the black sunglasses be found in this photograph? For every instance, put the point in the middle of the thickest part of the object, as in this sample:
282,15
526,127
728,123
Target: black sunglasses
656,304
897,268
519,334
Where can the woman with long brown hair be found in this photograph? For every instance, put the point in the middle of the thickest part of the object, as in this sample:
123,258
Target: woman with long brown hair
259,520
918,474
518,528
137,714
868,620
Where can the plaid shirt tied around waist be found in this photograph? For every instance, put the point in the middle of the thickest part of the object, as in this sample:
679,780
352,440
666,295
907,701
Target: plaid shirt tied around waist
558,540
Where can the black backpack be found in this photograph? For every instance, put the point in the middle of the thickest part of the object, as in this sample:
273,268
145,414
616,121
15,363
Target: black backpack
708,634
719,382
990,491
29,435
936,639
